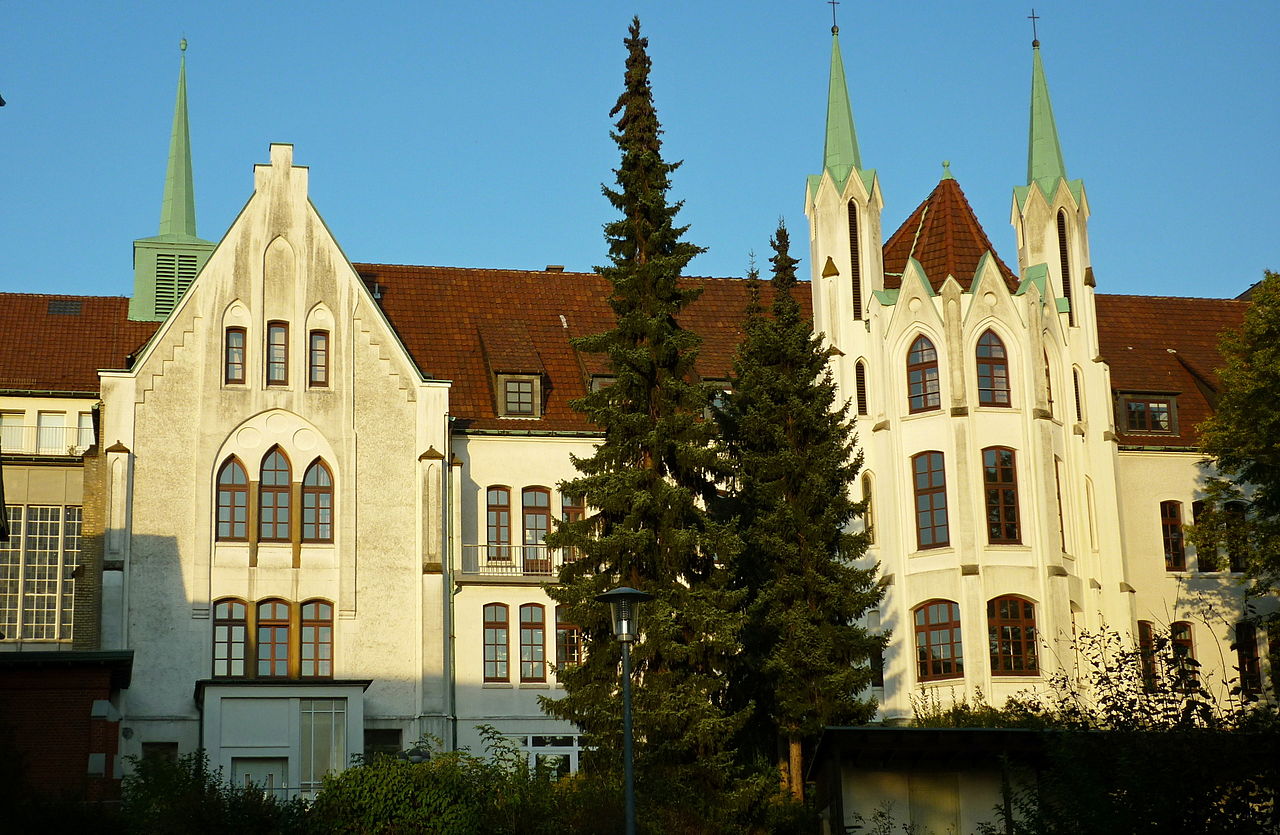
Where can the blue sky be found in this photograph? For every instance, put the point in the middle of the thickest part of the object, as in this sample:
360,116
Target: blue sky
476,134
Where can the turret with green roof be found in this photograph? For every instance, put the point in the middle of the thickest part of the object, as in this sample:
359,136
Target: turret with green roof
1045,167
840,152
166,264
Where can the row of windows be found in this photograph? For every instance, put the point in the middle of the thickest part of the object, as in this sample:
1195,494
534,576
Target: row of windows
275,499
53,433
1011,634
1000,497
535,511
1175,552
272,639
533,632
38,564
277,356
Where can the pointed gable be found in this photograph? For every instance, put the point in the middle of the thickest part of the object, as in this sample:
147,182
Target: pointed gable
944,235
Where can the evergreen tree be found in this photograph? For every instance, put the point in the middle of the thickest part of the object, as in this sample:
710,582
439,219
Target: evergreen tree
794,466
647,485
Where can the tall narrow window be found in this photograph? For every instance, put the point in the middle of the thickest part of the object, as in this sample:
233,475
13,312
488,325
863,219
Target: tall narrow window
317,503
855,260
233,502
1236,543
1000,483
230,636
1246,647
273,639
860,385
993,371
1048,383
499,523
535,504
931,500
1011,632
495,642
1175,556
277,354
1182,642
273,498
318,359
533,642
1066,266
923,390
1078,387
568,641
317,639
572,510
869,511
939,651
233,361
1147,653
1057,491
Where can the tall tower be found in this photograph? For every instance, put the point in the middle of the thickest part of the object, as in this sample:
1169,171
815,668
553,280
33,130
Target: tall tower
166,264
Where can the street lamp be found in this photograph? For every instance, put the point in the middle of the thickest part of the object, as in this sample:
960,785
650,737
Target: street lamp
623,603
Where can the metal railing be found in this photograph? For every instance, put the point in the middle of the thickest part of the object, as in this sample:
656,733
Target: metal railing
514,560
45,440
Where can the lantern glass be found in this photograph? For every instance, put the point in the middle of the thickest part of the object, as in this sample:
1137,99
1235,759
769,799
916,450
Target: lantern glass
624,610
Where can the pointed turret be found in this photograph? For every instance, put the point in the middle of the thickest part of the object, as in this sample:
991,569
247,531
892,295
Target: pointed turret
166,264
1044,152
840,154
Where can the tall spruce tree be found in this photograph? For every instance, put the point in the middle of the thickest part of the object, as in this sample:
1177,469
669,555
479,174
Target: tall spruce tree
794,464
647,485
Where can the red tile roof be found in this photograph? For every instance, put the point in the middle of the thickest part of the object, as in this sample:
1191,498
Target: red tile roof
1158,344
58,343
944,235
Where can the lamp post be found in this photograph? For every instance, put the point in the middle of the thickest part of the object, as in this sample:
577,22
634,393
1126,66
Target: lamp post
622,606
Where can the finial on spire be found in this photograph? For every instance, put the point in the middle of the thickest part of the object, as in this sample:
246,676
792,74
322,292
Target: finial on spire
946,170
835,30
182,44
1035,36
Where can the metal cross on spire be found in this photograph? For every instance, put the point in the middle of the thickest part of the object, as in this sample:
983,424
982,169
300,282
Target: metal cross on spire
1035,36
835,30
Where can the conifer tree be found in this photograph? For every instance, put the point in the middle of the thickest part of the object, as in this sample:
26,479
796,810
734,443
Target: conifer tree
647,485
794,464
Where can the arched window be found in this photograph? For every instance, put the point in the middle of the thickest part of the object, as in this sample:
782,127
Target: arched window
993,371
1079,389
1175,555
1066,266
1246,647
233,356
1000,488
1181,641
317,639
273,497
230,637
568,641
273,639
495,642
498,504
939,651
1048,384
1011,632
317,503
930,480
860,386
233,502
535,506
869,514
855,261
533,642
1147,653
923,391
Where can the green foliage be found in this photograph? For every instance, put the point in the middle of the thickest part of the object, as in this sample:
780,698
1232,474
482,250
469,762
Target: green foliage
793,468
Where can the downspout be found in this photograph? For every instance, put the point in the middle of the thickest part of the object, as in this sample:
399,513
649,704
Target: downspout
449,588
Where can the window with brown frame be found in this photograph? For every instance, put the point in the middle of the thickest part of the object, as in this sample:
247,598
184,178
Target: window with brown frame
1147,653
1000,485
317,640
233,356
274,497
1011,632
572,510
273,639
1182,642
924,392
277,354
1175,555
993,371
1236,512
230,638
535,506
1148,414
568,641
1246,647
317,503
533,642
860,386
939,650
495,642
1065,261
318,359
932,530
233,502
499,522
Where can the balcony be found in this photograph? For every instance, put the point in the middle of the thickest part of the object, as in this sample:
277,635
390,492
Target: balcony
44,440
513,560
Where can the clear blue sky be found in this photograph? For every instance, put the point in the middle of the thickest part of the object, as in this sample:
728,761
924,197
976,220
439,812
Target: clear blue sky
476,133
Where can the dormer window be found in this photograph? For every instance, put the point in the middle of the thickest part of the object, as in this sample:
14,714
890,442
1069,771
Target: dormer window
1148,413
600,382
519,396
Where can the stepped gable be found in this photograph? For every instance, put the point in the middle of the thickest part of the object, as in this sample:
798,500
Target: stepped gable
459,324
944,235
1159,344
58,343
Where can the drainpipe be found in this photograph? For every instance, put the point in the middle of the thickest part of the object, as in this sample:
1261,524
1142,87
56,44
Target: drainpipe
449,589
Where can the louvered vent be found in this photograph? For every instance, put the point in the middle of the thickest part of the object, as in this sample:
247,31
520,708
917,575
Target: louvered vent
1066,267
188,266
855,263
860,382
166,282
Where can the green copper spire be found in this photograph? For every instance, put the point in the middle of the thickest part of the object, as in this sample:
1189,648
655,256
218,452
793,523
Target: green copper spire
178,213
1044,154
840,155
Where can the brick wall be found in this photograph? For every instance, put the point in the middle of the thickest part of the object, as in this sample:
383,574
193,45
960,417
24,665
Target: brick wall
86,631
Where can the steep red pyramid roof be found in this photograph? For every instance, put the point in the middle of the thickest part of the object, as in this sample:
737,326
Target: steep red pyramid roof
944,235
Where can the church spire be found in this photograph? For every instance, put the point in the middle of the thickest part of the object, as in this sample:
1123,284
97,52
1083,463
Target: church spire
1044,153
178,212
840,154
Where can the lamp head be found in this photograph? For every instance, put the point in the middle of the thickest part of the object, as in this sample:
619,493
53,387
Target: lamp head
622,606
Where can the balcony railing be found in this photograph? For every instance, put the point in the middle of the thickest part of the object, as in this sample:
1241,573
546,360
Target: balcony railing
45,440
514,560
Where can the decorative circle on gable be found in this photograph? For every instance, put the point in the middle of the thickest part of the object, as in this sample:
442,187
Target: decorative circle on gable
914,305
990,299
249,437
304,439
277,424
